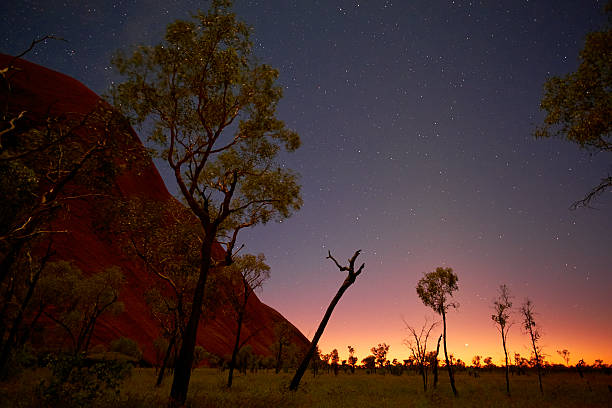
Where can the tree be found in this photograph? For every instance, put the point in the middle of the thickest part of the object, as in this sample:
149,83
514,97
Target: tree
435,288
434,361
348,281
212,110
380,352
530,328
579,105
242,278
282,335
352,360
565,355
335,359
476,362
501,317
369,362
418,346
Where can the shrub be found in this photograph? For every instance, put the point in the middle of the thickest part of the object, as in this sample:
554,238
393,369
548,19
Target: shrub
126,346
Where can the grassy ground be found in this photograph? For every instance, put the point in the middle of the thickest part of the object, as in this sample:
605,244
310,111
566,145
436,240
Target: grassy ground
265,389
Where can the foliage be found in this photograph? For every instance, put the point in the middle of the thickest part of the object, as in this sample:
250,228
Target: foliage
77,382
436,287
126,346
579,105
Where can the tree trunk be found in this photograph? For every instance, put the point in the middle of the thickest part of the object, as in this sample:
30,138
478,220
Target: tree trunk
422,369
235,351
162,369
295,382
182,369
507,368
448,365
435,363
279,357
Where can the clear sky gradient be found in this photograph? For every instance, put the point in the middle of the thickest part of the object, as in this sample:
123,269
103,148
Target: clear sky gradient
417,122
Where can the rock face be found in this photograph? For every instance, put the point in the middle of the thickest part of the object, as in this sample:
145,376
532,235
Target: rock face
43,92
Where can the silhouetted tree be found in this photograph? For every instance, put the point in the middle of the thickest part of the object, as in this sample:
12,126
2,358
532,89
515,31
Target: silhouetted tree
352,360
335,359
350,279
212,110
369,362
245,275
380,352
579,105
501,317
529,325
565,355
417,343
435,288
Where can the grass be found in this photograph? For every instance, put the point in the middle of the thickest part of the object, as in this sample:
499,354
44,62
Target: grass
266,389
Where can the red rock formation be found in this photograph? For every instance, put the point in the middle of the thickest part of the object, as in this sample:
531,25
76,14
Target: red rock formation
43,92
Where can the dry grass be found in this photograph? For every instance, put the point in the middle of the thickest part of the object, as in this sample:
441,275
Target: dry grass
266,389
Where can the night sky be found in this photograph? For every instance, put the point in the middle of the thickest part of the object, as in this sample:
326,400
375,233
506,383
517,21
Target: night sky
417,121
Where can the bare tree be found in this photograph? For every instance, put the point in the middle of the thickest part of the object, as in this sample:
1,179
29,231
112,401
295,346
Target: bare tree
417,344
529,325
501,317
350,279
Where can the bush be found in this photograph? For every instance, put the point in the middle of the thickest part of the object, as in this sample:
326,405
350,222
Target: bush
80,382
126,346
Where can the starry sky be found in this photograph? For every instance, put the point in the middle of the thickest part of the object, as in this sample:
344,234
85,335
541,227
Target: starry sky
417,121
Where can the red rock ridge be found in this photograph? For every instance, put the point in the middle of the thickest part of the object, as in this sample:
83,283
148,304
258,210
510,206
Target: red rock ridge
43,92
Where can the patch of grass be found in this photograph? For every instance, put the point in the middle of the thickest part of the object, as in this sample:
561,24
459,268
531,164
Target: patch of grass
359,390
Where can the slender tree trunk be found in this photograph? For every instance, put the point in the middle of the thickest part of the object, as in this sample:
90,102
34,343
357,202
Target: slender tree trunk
507,368
422,368
279,357
230,377
435,363
182,369
295,382
448,365
162,369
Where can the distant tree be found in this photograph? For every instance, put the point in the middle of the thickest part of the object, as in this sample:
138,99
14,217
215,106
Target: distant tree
335,359
242,278
435,289
352,360
530,328
282,335
369,362
417,343
476,362
565,355
380,352
501,317
78,302
579,105
348,281
212,110
488,361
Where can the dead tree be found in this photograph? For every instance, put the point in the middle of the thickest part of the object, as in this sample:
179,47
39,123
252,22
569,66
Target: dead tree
350,279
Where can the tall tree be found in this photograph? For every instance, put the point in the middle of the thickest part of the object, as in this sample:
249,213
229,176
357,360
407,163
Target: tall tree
348,281
579,105
530,328
352,360
435,288
242,278
212,110
501,317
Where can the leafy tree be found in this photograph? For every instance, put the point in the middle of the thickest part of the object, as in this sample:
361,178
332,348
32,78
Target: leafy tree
380,352
417,344
335,359
501,317
530,328
127,347
476,362
435,288
579,105
352,360
369,362
488,361
241,279
348,281
282,335
212,108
